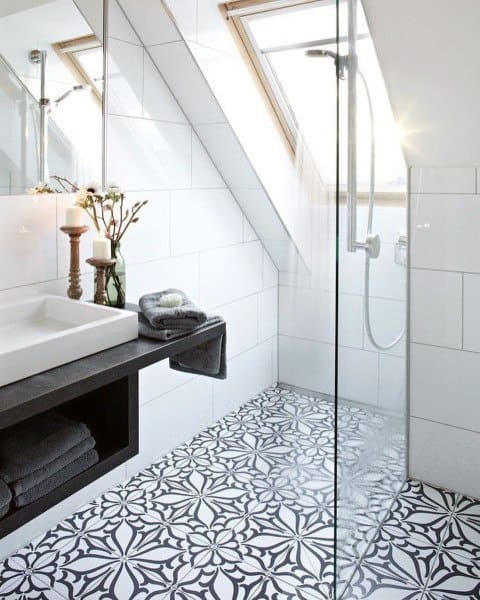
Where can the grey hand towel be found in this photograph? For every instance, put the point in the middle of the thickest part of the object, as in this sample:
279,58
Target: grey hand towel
30,445
184,317
29,481
76,467
5,498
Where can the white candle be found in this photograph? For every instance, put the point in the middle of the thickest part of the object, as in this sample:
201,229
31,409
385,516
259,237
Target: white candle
74,216
102,248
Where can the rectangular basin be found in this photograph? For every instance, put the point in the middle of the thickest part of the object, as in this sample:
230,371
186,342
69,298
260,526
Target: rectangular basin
48,331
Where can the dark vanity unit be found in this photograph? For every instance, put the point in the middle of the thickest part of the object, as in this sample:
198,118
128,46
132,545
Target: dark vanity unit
101,391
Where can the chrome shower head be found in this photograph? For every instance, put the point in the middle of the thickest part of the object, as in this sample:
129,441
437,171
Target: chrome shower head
322,53
340,61
75,88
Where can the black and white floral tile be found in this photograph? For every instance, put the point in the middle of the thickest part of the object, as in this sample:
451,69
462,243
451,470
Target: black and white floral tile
244,511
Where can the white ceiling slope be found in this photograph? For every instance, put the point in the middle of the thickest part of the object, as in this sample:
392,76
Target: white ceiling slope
429,51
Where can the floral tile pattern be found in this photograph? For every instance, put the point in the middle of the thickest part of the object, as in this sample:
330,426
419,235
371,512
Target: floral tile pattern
245,511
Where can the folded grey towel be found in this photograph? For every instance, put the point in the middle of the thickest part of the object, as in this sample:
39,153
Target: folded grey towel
29,481
184,317
76,467
5,498
32,444
207,359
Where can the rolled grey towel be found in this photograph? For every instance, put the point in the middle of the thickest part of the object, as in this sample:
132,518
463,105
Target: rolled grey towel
5,498
23,485
32,444
184,317
76,467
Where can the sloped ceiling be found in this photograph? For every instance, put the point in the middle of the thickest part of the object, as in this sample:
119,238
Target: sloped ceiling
429,51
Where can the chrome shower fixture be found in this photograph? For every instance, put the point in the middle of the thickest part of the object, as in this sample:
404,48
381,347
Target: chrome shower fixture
340,61
75,88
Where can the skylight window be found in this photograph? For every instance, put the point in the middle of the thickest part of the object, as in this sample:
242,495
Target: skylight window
303,90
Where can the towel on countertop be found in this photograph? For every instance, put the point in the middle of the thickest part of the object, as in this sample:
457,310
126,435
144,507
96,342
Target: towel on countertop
171,320
207,359
32,444
84,462
29,481
5,498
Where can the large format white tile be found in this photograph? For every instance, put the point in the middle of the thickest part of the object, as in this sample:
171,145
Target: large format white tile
241,317
149,239
125,79
248,374
358,375
158,379
151,21
387,279
471,316
392,382
228,155
441,180
118,25
203,219
185,15
172,419
388,319
184,78
259,210
204,172
268,313
307,364
445,456
444,232
436,308
227,274
28,244
444,386
177,272
158,101
270,272
148,155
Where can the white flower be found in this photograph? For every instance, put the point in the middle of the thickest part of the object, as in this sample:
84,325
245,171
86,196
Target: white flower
93,187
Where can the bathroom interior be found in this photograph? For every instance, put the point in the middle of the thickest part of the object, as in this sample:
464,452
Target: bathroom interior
239,331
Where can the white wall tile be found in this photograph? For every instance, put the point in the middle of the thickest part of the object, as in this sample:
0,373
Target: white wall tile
228,156
387,279
151,21
471,304
172,419
445,456
388,319
242,324
444,232
227,274
432,180
178,272
249,234
184,78
444,386
166,165
185,15
28,244
392,384
158,101
358,375
204,172
149,239
259,210
158,379
248,373
125,79
436,308
203,219
270,272
268,313
118,25
307,364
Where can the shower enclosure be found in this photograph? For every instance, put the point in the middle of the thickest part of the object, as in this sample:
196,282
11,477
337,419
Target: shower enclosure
343,319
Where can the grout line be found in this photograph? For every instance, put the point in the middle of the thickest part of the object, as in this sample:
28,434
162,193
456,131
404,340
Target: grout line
463,309
444,424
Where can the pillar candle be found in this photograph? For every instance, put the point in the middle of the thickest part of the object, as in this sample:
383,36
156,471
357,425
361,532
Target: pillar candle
102,248
74,216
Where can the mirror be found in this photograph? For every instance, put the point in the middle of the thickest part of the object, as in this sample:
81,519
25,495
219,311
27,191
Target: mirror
51,92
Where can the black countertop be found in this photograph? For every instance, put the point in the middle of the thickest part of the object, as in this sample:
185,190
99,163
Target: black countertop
33,395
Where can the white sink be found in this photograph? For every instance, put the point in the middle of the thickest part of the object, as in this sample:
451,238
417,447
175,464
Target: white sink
48,331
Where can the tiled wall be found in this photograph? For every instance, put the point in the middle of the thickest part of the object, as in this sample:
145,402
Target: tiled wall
445,327
192,235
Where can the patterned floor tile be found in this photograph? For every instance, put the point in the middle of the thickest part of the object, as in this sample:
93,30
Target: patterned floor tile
454,578
22,578
421,511
463,535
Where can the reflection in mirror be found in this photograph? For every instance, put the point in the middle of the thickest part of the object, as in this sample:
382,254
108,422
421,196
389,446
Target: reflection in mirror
51,90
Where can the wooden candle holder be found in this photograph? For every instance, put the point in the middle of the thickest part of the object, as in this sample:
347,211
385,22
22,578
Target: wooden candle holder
100,265
75,290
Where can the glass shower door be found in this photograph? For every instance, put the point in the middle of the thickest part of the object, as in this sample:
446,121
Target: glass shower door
371,401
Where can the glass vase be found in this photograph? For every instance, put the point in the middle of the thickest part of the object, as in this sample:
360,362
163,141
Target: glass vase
115,279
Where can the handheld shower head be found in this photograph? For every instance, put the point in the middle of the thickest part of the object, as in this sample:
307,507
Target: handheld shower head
75,88
322,53
340,61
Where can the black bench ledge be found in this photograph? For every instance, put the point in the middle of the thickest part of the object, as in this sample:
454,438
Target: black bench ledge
23,399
